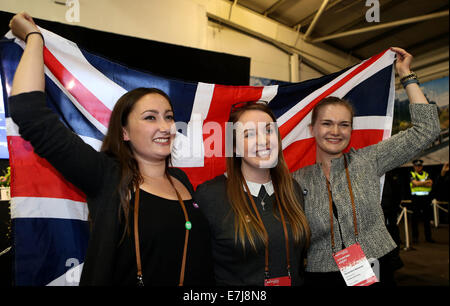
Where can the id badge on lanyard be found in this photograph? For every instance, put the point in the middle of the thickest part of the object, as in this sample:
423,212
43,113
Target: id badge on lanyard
276,281
351,261
354,266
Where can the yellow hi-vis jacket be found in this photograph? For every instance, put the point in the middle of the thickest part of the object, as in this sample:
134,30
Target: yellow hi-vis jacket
419,190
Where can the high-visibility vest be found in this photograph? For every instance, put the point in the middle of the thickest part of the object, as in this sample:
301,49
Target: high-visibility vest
419,190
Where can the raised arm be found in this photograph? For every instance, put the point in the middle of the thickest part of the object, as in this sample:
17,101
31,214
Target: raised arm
77,161
404,146
29,75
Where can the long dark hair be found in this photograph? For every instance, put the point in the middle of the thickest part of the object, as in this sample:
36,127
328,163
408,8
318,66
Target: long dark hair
283,187
115,146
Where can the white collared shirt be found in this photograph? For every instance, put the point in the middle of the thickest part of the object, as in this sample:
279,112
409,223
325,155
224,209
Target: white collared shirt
256,187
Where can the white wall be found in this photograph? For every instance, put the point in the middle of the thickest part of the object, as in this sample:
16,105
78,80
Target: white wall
266,60
307,73
180,22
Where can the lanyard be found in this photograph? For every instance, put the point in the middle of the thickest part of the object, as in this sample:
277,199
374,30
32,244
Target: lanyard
140,282
266,235
355,226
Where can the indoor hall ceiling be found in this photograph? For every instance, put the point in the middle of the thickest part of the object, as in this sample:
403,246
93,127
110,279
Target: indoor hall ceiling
341,16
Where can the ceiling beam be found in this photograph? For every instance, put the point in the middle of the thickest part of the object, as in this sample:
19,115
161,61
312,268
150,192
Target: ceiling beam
388,33
377,38
382,26
326,58
272,8
432,40
430,58
231,8
307,21
316,18
361,19
315,58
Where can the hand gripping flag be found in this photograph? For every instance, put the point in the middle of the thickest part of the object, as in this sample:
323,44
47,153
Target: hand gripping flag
50,214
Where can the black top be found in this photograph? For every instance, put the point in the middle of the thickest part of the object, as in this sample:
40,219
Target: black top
97,175
232,264
162,243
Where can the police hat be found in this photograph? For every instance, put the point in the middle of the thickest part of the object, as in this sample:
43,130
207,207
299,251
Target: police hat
417,162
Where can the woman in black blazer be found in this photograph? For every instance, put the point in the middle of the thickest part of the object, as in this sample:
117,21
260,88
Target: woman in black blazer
259,229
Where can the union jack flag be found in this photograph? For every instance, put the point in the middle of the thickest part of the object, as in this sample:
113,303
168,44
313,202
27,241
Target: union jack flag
50,214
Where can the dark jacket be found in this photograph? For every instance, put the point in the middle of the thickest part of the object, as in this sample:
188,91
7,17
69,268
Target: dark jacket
94,173
235,266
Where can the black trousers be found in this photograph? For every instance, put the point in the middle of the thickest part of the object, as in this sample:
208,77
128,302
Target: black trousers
422,211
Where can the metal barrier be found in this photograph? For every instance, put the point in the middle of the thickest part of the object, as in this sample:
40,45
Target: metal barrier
5,251
436,206
404,214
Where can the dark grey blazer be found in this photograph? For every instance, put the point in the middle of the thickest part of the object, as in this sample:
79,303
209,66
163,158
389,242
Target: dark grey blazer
366,166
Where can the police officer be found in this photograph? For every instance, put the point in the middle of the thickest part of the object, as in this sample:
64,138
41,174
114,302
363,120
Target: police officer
421,185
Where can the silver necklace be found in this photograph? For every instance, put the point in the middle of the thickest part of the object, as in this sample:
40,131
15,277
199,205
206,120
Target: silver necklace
263,204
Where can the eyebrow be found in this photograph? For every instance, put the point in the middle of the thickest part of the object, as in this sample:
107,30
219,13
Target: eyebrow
268,124
329,120
156,112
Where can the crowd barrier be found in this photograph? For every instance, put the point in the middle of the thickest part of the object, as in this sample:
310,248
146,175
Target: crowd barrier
404,215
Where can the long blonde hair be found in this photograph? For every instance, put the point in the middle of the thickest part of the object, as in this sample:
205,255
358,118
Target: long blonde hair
283,187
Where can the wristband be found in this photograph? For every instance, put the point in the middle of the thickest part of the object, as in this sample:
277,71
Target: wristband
39,33
409,81
412,75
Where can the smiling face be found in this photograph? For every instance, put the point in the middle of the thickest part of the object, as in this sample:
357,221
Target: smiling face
332,130
257,140
149,127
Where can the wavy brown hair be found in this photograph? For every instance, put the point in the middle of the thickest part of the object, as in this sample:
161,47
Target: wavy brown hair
283,187
115,146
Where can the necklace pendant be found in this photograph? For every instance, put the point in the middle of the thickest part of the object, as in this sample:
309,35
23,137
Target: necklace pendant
263,205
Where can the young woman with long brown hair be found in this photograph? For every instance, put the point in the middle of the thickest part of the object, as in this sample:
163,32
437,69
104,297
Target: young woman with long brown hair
144,227
255,210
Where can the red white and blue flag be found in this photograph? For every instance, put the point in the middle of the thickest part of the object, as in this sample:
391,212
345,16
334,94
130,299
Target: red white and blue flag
50,216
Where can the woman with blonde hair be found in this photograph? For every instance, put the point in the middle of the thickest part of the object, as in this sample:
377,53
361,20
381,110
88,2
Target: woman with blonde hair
343,188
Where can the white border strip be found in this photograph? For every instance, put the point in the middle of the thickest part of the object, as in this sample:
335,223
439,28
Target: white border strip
301,131
386,60
103,129
39,207
70,56
269,92
202,100
71,277
13,130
